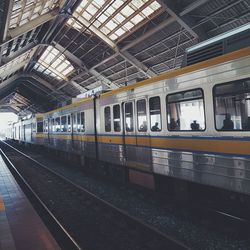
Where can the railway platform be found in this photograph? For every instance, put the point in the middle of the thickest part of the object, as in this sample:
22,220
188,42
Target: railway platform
20,225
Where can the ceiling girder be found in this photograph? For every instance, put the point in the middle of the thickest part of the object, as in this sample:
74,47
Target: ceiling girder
127,56
18,53
4,22
103,79
14,68
31,25
9,81
136,63
43,82
186,22
80,63
192,6
5,109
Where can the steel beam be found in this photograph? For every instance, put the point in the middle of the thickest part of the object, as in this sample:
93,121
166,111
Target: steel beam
186,22
97,32
13,33
9,81
78,86
80,63
192,6
4,24
149,33
18,53
127,56
136,63
9,109
69,55
14,68
42,81
103,79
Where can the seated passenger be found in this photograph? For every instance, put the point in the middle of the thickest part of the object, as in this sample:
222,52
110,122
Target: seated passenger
173,124
248,124
228,123
155,127
117,126
144,126
195,126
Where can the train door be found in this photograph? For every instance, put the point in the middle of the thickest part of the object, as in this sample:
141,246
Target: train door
70,130
136,135
129,138
24,135
45,130
75,143
143,141
49,129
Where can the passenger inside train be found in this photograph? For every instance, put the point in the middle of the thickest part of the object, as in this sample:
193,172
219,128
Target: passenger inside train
195,126
173,124
143,127
155,127
228,123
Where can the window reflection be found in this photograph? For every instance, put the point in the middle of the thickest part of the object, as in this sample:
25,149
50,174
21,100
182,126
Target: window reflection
82,123
142,115
63,124
155,113
186,111
232,105
107,117
57,124
129,121
117,118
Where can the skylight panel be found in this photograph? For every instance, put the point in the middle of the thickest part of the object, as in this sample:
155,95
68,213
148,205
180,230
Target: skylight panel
54,64
24,11
116,19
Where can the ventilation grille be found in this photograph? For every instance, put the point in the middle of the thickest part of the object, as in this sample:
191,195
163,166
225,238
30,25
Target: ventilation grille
206,53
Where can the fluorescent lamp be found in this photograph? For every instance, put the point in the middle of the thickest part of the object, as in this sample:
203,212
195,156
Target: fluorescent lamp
219,37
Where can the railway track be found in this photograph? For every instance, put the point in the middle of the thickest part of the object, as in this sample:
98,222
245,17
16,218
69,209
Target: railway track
86,220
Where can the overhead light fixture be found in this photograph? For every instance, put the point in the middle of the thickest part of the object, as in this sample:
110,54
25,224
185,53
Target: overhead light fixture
219,37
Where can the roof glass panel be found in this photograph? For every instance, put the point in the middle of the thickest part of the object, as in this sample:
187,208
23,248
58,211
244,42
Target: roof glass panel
24,11
114,18
54,64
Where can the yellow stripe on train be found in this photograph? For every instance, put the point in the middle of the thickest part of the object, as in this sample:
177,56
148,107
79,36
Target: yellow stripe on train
216,146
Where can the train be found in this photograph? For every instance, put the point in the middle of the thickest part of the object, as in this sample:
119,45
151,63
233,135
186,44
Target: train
190,125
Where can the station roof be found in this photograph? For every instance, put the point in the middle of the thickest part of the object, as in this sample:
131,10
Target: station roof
53,50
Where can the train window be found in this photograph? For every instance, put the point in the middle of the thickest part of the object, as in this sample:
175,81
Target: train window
155,113
129,120
69,123
50,124
57,124
64,124
33,127
78,122
74,122
117,118
107,119
45,125
186,111
39,127
82,125
53,125
232,105
142,115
